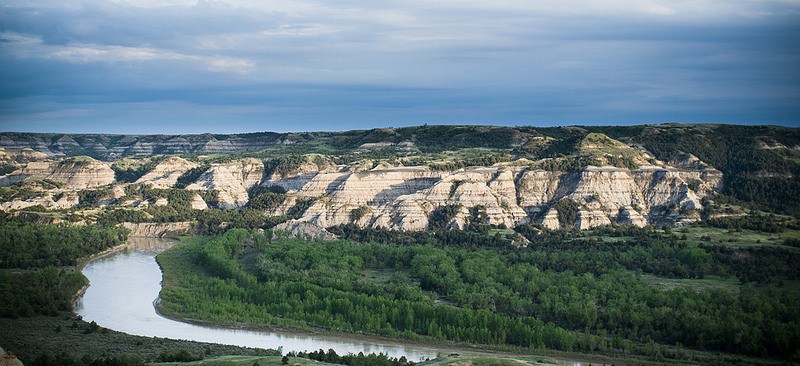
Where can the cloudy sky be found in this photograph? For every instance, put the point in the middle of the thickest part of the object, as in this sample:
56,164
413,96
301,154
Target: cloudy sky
188,66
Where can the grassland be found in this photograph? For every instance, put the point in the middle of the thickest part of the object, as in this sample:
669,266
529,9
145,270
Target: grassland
696,235
730,284
735,238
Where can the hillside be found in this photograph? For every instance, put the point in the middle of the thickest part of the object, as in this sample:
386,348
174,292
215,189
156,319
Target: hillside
415,178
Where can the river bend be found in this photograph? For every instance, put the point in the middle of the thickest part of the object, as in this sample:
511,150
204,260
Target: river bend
124,286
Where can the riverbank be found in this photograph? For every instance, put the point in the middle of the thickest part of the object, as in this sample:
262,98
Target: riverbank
445,349
68,333
138,242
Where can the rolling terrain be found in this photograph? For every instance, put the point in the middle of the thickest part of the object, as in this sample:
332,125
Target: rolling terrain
401,178
643,244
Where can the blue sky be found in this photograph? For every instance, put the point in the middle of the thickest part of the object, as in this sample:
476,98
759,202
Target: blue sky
188,66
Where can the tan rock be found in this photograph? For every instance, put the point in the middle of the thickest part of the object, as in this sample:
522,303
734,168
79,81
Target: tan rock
157,230
588,219
198,203
118,191
550,220
50,200
321,184
74,173
313,164
303,230
403,198
7,359
232,179
629,216
613,187
537,187
166,173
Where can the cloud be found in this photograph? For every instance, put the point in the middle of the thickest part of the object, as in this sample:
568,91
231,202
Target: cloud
415,60
28,46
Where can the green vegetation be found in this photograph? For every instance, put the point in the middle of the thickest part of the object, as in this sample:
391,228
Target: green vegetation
730,285
266,198
46,292
130,170
459,360
358,213
28,245
38,284
350,359
442,216
18,192
758,222
178,209
190,176
300,207
6,168
247,361
601,150
543,297
80,160
93,197
567,210
283,165
768,179
27,189
65,337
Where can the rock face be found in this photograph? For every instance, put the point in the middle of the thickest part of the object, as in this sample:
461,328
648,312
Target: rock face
49,200
23,155
550,219
166,173
304,230
111,147
198,203
157,230
372,194
7,359
75,174
404,198
233,180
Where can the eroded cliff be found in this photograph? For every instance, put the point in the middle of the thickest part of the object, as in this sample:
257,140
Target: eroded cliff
636,190
405,198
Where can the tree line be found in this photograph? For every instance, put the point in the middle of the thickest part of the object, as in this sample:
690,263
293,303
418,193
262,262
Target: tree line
31,245
350,359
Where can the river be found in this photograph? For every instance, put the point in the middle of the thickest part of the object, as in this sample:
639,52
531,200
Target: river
124,286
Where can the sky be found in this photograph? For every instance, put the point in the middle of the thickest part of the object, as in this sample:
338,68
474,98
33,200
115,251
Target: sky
229,66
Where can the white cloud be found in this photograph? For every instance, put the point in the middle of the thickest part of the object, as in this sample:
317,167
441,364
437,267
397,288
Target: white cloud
156,3
90,53
28,46
228,64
